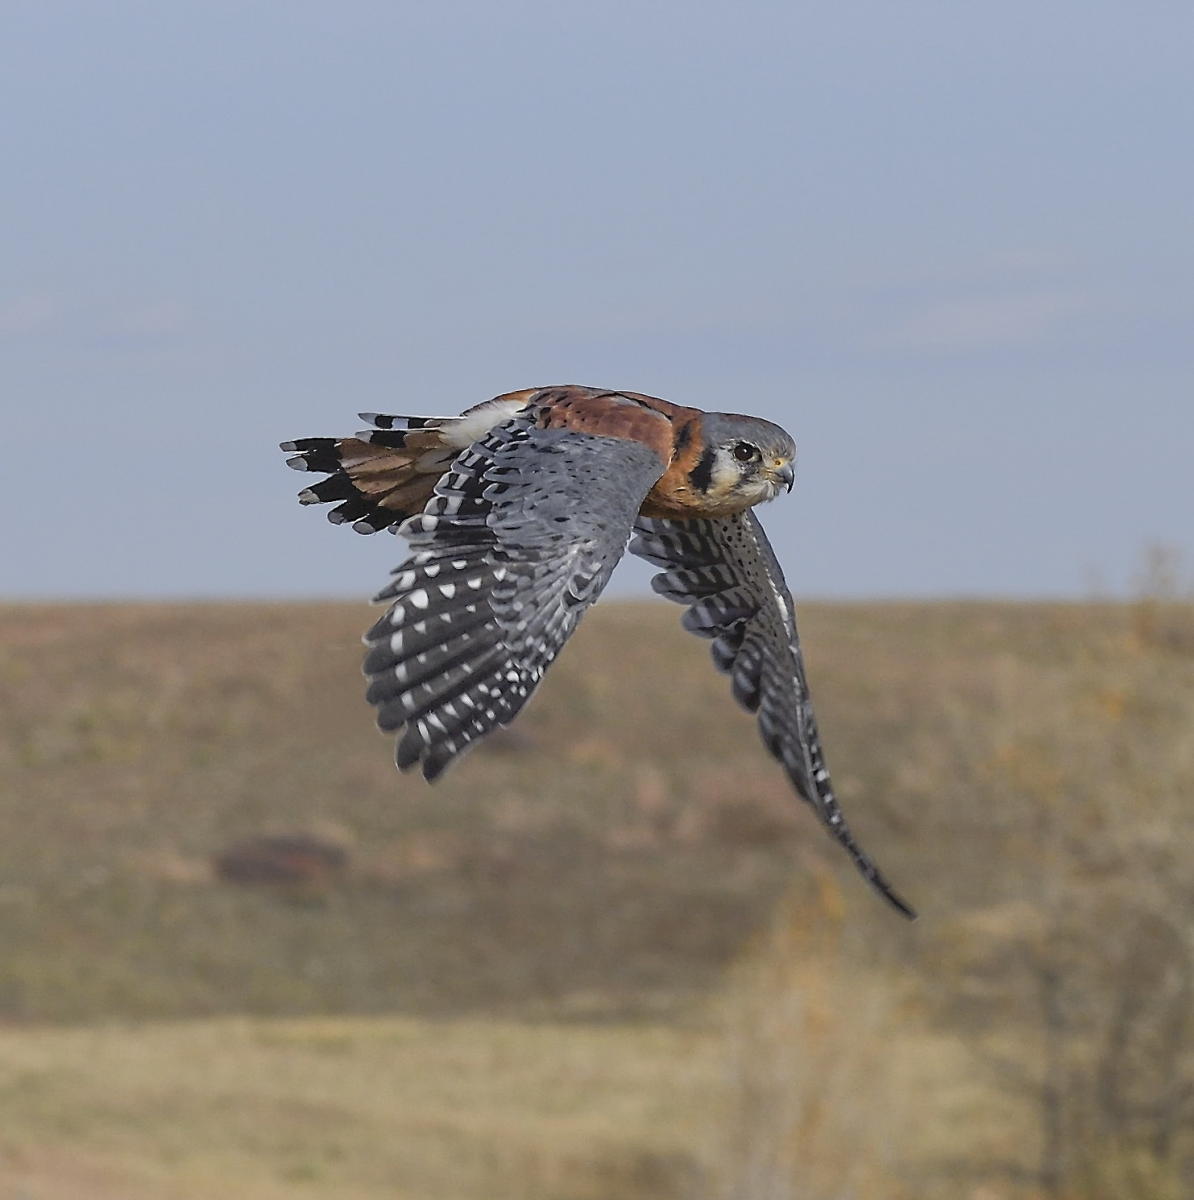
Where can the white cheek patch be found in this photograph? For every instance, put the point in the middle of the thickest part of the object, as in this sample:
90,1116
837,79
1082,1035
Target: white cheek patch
725,475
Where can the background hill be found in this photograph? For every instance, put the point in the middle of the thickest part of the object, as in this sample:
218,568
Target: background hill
609,955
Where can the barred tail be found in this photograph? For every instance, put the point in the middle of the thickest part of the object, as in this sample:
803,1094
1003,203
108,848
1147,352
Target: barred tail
378,478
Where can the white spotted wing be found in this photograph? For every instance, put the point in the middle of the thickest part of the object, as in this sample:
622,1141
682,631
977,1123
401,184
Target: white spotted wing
518,539
727,573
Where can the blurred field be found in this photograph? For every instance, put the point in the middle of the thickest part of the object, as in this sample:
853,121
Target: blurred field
608,956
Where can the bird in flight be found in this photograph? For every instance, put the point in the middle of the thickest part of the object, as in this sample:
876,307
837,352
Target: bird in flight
516,513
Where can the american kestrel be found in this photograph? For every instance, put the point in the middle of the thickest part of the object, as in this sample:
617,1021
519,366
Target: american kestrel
517,512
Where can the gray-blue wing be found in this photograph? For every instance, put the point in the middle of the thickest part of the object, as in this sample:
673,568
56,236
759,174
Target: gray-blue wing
518,539
726,571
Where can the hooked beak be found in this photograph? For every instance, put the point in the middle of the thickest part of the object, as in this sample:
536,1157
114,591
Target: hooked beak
786,475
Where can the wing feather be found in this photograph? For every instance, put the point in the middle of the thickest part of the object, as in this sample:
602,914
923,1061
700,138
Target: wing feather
728,575
518,538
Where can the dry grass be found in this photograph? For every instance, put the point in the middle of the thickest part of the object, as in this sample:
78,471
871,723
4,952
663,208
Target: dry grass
351,1107
608,956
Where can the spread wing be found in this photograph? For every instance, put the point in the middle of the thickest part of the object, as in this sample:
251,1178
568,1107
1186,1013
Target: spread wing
518,539
726,571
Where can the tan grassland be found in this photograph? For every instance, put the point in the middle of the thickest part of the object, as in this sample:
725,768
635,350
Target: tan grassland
609,956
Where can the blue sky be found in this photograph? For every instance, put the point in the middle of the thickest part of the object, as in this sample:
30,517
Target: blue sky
949,246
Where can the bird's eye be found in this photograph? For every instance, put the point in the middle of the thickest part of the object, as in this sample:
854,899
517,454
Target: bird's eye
744,452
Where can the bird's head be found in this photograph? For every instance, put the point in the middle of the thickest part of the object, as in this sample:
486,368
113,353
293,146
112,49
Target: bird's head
746,460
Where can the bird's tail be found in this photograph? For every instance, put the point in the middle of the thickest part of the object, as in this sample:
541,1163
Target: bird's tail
381,476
